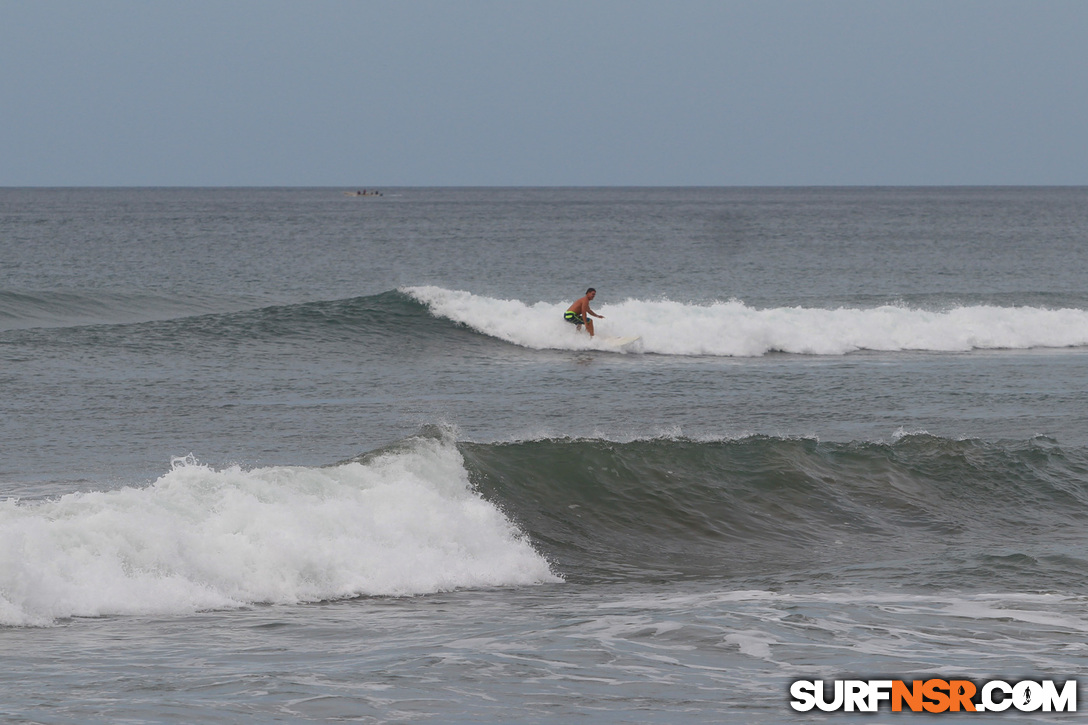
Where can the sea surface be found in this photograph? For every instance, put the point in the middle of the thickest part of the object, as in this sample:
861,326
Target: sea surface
289,455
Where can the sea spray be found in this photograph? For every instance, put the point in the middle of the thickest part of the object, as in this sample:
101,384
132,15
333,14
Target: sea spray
403,522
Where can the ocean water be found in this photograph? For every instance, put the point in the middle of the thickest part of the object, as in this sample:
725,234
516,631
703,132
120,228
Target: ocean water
285,455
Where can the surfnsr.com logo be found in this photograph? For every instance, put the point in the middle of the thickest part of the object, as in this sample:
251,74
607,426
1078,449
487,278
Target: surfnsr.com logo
934,696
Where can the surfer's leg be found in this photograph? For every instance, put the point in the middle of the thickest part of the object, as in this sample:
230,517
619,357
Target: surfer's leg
589,326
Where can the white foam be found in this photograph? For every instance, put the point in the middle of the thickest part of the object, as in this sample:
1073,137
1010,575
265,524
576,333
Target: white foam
752,643
734,329
402,523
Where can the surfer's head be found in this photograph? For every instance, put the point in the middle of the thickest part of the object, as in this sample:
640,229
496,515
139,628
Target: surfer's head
591,292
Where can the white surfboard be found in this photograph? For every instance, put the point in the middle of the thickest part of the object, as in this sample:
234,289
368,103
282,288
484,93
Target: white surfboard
631,343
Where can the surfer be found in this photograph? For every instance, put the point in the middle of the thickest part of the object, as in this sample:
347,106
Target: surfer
578,314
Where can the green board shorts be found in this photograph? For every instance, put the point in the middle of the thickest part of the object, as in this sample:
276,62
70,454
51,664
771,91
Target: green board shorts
573,317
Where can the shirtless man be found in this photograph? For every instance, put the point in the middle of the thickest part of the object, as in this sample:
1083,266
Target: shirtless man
578,314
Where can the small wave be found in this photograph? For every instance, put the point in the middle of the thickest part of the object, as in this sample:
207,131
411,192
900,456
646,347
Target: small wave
389,318
733,329
28,310
384,319
402,522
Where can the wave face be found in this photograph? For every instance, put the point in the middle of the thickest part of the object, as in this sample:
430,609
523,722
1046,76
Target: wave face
923,510
379,321
429,515
401,521
734,329
25,310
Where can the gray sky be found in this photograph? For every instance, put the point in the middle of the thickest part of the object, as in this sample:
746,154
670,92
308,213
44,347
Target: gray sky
516,92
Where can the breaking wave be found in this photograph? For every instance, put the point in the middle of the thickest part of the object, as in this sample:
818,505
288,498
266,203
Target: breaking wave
734,329
432,514
403,521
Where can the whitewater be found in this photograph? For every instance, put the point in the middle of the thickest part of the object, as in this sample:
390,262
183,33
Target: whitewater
734,329
400,523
